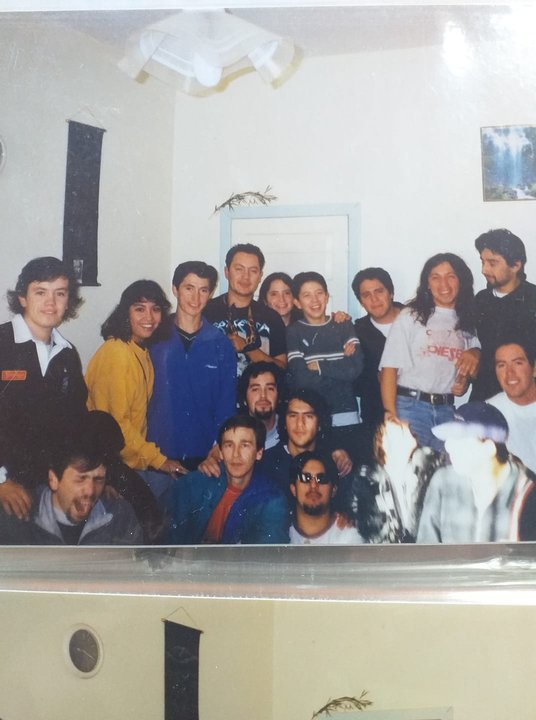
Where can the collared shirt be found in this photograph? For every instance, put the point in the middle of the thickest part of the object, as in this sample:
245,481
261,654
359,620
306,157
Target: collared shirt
45,352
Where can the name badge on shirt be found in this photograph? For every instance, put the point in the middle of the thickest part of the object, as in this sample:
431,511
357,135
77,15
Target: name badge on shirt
13,375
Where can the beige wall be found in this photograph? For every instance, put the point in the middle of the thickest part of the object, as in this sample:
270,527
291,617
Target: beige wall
49,75
37,682
479,659
268,660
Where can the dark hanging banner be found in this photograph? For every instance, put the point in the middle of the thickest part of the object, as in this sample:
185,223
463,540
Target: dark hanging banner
181,672
81,215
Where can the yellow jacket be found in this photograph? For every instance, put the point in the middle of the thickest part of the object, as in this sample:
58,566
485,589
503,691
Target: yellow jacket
120,379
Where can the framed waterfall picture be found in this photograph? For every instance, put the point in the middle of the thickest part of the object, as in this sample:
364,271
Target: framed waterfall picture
509,162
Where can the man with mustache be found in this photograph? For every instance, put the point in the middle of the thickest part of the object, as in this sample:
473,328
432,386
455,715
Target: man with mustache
313,484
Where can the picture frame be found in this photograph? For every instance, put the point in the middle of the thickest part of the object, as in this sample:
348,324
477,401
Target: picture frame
508,162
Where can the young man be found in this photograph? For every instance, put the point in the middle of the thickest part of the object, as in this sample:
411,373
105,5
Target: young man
239,506
325,356
516,370
195,376
374,289
307,426
485,495
256,331
507,306
41,377
313,485
259,392
71,509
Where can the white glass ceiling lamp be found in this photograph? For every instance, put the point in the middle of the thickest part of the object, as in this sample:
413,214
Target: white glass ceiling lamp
196,51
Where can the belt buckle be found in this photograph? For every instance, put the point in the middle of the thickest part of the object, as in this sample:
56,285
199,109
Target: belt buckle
437,399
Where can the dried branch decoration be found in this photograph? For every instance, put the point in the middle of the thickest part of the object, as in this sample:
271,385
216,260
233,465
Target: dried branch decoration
343,703
247,198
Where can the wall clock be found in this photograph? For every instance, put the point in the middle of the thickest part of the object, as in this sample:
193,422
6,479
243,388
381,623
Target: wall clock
85,651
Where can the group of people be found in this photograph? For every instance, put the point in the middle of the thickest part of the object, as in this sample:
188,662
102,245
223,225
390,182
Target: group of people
234,420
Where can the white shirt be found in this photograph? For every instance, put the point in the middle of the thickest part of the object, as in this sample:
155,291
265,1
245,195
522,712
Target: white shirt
45,352
334,535
521,421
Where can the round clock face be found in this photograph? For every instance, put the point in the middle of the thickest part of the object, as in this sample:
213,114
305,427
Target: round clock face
85,651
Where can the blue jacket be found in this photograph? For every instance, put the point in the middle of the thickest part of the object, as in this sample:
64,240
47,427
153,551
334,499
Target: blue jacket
193,392
259,515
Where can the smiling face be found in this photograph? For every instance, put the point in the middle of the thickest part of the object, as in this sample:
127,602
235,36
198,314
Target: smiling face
77,491
192,295
302,426
262,396
239,452
498,273
312,301
243,275
443,285
279,297
515,374
377,300
44,305
311,497
144,317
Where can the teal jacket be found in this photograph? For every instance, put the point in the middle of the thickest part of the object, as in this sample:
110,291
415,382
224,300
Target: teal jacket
260,514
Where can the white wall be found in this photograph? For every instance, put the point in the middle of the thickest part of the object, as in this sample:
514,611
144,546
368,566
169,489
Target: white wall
396,131
49,76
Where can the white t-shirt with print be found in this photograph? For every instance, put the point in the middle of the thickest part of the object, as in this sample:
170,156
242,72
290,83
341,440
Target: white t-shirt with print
425,355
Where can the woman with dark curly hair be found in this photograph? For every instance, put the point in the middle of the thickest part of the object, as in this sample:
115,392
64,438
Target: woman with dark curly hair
432,351
120,375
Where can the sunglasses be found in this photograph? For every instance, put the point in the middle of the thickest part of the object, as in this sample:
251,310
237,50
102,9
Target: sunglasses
321,478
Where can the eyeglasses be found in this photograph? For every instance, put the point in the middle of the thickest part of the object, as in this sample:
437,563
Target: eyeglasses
321,478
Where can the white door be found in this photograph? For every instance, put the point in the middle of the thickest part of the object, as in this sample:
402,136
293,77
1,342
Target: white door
294,243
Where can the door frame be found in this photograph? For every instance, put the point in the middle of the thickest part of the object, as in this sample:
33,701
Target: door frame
350,211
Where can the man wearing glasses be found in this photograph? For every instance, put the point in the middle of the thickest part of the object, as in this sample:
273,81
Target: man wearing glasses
313,484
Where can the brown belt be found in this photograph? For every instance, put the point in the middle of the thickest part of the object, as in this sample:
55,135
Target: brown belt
432,398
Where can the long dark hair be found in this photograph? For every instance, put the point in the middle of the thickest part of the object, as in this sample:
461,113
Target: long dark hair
422,305
117,325
295,314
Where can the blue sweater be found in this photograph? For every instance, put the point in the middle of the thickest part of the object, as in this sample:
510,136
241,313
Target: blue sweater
259,515
193,392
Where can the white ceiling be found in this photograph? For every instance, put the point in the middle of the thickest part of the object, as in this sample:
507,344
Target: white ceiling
316,30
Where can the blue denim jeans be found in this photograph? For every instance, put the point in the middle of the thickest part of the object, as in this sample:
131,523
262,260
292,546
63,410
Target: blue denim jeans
422,416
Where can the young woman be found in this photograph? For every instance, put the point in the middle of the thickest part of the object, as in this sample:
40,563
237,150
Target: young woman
276,292
120,375
431,351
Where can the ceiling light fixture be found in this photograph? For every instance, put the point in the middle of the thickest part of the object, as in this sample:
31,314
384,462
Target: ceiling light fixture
196,51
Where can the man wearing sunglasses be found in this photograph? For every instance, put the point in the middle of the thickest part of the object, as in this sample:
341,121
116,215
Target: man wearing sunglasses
313,484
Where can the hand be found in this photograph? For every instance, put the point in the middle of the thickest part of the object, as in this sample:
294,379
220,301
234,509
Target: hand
211,464
468,362
391,417
15,499
173,468
239,343
339,316
349,349
343,462
313,366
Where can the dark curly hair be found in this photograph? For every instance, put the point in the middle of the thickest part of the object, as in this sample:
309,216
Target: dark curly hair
422,305
45,269
117,325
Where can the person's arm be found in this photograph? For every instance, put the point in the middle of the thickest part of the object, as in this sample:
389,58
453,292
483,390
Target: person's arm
388,383
349,366
343,462
211,464
274,522
300,373
116,386
15,500
256,355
